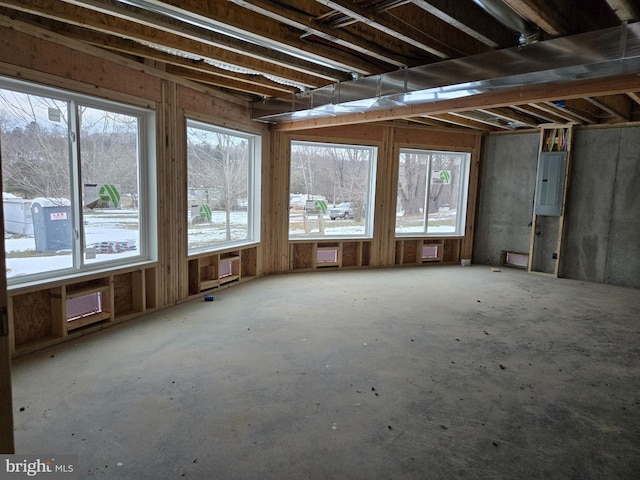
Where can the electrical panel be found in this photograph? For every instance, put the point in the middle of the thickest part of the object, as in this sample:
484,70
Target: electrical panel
550,183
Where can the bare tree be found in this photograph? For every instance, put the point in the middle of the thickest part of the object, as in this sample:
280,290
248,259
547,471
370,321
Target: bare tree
412,183
443,189
109,149
351,167
35,145
233,159
218,166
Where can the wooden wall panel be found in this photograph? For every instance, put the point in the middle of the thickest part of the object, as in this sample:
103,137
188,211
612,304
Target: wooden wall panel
275,201
123,293
76,69
225,111
7,445
388,138
357,133
173,274
350,254
385,202
44,56
466,246
32,316
430,138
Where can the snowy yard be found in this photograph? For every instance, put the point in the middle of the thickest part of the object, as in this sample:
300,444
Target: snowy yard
106,227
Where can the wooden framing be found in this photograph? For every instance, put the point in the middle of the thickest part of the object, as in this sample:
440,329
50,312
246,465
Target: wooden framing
382,249
38,311
556,138
72,47
6,343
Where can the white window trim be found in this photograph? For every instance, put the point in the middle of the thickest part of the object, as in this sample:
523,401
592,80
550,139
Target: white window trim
463,196
254,172
371,188
146,175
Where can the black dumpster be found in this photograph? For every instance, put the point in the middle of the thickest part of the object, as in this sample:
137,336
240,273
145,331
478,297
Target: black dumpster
52,227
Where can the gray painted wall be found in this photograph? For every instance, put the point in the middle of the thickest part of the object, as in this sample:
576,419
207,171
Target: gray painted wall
602,217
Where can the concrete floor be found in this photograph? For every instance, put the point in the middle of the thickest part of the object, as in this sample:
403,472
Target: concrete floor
413,373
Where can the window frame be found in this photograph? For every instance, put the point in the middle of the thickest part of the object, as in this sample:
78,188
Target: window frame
371,189
146,151
254,184
463,193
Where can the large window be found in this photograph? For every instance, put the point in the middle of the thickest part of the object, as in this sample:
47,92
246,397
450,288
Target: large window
75,181
331,190
223,187
432,193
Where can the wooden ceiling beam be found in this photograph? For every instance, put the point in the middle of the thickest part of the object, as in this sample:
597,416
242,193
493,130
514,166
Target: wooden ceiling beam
415,19
511,116
429,121
548,19
115,17
480,117
536,112
222,81
471,19
502,98
394,27
635,96
247,82
586,111
565,17
563,112
253,58
214,15
460,121
618,106
305,23
626,10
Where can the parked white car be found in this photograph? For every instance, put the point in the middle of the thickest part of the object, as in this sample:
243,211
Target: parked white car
343,210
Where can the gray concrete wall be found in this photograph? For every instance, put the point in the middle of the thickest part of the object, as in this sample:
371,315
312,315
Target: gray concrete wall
602,216
505,202
602,236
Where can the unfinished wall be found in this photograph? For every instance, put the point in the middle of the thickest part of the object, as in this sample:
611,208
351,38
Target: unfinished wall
505,202
602,221
602,236
382,248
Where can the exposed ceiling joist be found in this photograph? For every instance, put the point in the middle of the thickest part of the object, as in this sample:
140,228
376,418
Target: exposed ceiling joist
617,106
253,58
307,25
559,108
303,52
481,116
565,17
393,27
510,116
635,96
470,19
201,25
542,115
460,121
626,10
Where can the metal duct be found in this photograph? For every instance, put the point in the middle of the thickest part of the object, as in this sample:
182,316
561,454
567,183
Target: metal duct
529,32
606,53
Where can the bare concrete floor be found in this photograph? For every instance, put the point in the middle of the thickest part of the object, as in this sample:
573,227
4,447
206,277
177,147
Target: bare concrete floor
414,373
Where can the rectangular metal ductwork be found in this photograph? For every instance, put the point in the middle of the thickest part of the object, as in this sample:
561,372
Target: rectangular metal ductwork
605,53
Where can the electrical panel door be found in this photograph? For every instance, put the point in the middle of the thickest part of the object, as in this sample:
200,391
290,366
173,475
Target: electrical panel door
550,184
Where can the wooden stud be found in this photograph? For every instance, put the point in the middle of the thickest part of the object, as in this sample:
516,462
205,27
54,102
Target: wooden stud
6,347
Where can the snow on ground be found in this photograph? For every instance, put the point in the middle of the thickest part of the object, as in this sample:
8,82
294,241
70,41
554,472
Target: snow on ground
122,226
